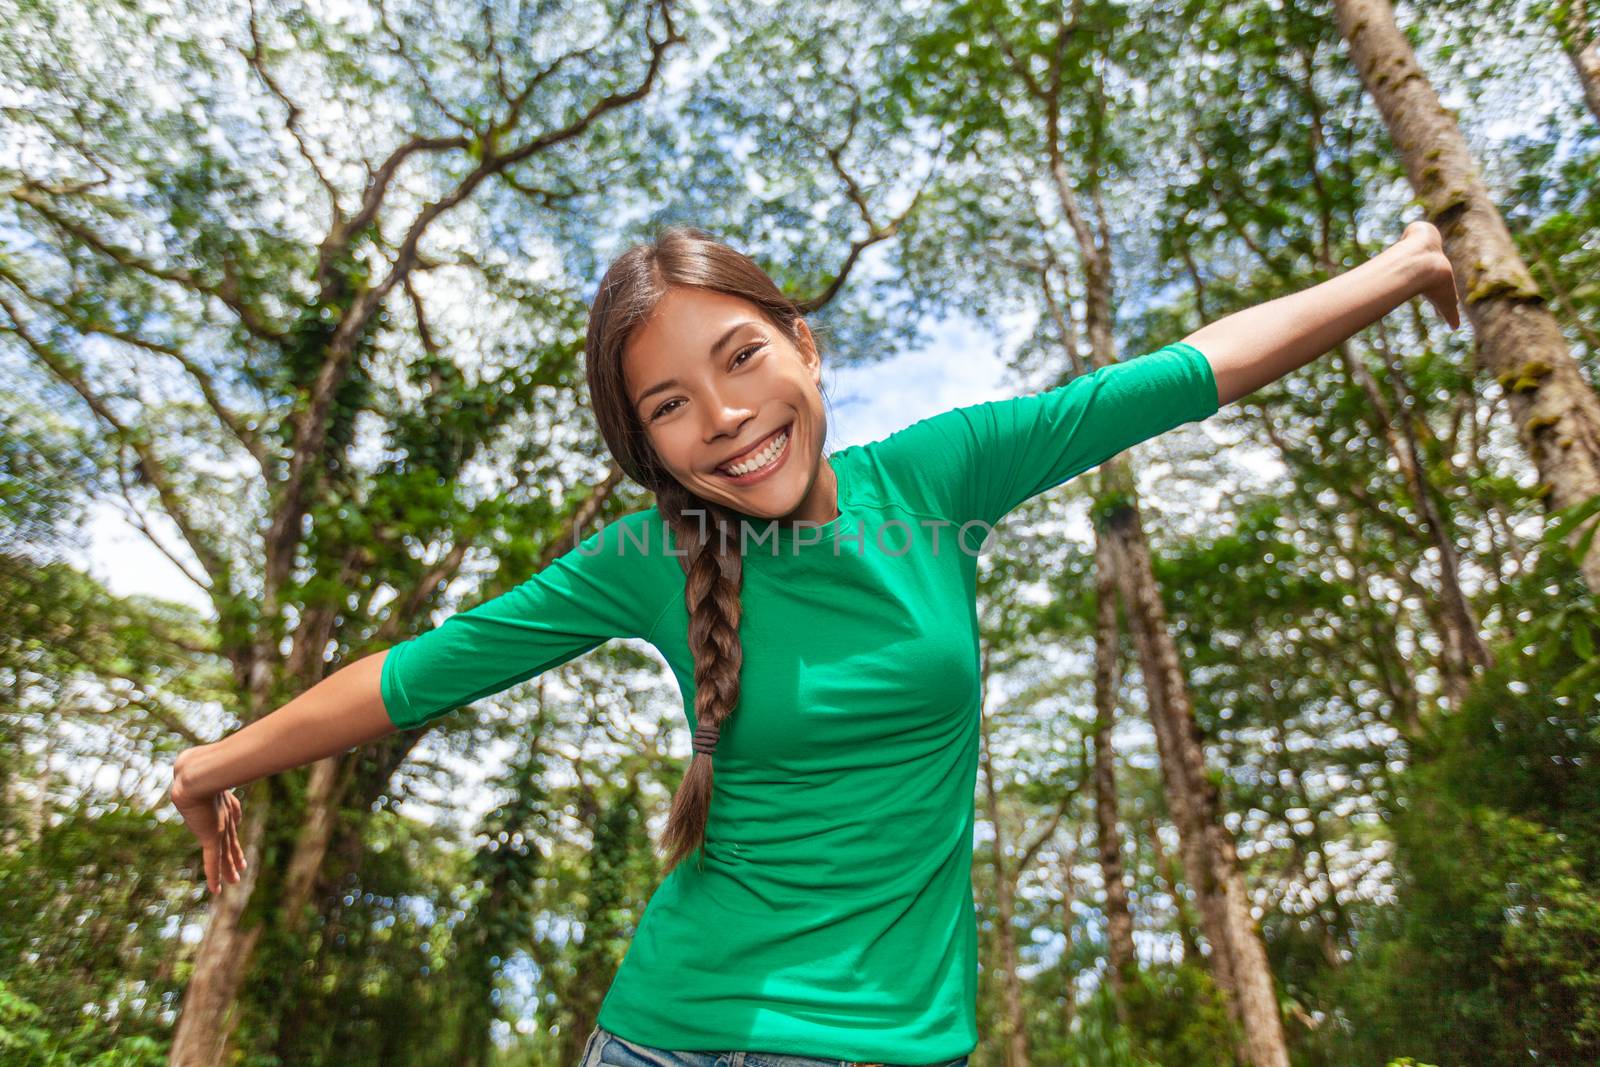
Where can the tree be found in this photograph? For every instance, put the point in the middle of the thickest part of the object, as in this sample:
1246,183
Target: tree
1556,411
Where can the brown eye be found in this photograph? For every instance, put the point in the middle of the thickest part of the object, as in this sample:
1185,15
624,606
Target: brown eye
738,361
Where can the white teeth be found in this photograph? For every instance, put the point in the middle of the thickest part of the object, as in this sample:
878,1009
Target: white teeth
761,459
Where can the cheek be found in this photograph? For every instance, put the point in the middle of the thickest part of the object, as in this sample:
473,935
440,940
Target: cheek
818,412
675,445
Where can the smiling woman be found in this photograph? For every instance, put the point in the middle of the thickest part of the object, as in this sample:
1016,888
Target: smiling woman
829,913
829,910
697,361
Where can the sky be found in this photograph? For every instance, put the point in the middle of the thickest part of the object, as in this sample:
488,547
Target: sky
960,365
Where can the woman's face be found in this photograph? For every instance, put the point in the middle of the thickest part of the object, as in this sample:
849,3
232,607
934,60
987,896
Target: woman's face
716,385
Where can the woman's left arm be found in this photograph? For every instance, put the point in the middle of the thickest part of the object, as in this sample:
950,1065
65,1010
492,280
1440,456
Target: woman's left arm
1260,344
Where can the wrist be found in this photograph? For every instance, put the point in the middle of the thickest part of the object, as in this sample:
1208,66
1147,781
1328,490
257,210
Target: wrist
1420,254
1417,265
184,787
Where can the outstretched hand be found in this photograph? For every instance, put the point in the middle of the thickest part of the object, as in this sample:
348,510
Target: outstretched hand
214,821
1438,277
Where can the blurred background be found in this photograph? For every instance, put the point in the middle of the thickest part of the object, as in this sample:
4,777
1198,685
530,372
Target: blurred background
1292,717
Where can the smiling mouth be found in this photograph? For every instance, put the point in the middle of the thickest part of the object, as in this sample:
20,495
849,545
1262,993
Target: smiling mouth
774,447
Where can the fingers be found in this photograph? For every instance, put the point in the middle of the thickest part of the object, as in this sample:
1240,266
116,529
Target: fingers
239,863
224,815
223,852
236,849
231,853
211,863
225,838
1446,305
1441,290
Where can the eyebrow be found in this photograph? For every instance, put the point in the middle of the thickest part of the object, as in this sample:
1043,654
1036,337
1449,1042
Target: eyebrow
720,344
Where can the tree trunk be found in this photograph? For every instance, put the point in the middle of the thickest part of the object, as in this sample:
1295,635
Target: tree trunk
227,950
1238,957
1164,877
1584,51
1207,844
1119,920
1069,893
1556,411
1180,798
1463,648
206,1017
1014,1033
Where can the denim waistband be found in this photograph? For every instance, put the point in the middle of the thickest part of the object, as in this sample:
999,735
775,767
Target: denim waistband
606,1049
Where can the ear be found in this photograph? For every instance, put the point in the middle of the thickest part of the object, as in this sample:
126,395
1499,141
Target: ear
808,350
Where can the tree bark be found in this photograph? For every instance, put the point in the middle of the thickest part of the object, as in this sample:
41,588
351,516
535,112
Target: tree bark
1210,857
1014,1033
1181,806
207,1018
1584,51
1556,411
1119,920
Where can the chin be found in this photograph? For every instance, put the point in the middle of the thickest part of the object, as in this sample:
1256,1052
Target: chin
747,504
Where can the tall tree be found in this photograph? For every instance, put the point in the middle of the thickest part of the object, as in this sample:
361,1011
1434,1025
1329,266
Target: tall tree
1108,828
1066,141
1580,40
1556,411
1013,854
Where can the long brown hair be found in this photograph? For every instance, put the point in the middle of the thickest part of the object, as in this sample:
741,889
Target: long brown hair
682,257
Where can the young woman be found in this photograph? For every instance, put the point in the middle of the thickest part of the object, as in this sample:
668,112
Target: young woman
817,609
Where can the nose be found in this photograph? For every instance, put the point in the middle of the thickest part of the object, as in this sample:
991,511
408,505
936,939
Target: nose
725,416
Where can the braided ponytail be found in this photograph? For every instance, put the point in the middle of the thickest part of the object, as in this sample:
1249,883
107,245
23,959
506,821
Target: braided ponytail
714,575
707,534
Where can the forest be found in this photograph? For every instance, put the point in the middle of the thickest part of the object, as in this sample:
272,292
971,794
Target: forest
1290,734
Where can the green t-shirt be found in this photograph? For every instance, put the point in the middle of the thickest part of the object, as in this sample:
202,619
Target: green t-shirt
833,914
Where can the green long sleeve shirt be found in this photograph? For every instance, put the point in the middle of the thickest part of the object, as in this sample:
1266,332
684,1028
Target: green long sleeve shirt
832,915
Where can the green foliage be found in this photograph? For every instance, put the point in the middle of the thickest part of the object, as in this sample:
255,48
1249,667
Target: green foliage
1494,954
1099,1040
46,478
84,907
25,1043
1428,873
1171,1014
1176,1016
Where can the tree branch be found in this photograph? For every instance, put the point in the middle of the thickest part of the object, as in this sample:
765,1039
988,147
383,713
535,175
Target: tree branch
29,193
149,465
256,58
235,425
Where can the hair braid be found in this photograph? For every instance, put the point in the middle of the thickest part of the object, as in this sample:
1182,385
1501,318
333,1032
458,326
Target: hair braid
714,576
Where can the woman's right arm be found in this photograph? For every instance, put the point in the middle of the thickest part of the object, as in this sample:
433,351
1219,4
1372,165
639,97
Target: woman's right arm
340,712
584,597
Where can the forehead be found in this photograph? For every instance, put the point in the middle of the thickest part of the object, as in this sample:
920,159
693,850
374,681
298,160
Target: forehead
681,330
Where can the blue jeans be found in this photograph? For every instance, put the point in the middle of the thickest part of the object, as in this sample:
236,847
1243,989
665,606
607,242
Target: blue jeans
606,1049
